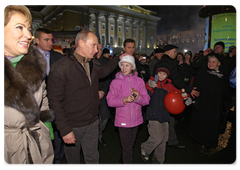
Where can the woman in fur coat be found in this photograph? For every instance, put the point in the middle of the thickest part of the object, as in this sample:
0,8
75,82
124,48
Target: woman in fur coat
26,137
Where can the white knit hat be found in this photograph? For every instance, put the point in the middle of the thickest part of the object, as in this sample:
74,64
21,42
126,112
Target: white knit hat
128,59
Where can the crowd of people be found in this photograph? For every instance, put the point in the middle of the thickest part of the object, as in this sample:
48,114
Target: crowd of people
57,106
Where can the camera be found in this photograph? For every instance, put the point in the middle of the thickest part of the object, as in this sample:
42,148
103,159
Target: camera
134,95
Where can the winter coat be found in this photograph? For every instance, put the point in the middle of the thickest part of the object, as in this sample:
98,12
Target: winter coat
144,71
209,108
104,83
151,65
26,138
129,115
156,109
177,81
186,72
231,61
75,99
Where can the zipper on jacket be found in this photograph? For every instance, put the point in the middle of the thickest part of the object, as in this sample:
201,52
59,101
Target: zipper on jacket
129,81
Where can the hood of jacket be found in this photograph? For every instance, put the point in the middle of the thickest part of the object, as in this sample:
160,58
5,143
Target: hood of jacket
22,82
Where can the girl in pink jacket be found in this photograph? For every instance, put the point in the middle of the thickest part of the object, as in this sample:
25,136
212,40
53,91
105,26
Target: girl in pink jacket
128,94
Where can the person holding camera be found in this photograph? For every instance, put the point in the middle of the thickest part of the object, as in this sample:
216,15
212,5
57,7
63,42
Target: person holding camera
144,70
128,94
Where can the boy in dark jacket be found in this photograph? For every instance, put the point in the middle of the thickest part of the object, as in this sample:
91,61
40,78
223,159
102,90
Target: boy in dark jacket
157,115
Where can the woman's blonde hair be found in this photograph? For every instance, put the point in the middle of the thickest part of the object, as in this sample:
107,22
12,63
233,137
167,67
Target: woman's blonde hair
12,9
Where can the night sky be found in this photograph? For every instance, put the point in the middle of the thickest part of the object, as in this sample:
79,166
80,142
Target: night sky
177,17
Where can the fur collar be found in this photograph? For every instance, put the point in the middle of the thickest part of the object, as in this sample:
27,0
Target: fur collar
21,83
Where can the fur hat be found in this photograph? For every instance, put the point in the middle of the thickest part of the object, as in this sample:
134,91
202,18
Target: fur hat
189,52
128,59
232,47
216,55
158,50
169,47
165,70
220,43
105,50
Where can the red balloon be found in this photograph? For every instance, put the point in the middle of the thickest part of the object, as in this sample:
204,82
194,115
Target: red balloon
174,103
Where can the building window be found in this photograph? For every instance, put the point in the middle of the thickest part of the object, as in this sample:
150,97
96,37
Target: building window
119,42
151,42
103,26
93,24
112,27
111,41
140,30
119,28
127,30
103,40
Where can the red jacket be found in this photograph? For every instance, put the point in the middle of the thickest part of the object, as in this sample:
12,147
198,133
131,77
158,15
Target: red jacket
165,84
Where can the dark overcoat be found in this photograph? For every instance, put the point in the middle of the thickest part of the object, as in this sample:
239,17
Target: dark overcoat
208,111
72,96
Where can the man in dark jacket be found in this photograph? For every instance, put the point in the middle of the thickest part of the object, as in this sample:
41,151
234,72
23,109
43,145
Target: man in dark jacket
103,88
167,60
144,68
73,95
158,53
44,41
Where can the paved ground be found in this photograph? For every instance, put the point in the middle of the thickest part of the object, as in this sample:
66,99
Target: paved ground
111,154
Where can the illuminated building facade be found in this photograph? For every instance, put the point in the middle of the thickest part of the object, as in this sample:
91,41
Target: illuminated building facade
111,24
190,40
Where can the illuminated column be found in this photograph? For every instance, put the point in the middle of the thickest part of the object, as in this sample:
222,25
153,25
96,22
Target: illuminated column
131,25
220,25
115,30
138,34
107,29
124,28
145,35
97,25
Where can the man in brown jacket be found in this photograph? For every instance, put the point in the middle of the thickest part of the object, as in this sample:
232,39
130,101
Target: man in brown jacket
73,95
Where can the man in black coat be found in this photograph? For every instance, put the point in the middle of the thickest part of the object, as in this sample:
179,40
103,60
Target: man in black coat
103,88
44,41
167,61
158,53
73,95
